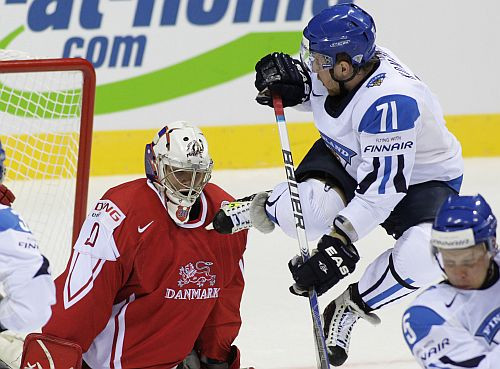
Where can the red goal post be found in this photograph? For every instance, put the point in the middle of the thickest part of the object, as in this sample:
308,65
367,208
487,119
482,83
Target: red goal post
46,119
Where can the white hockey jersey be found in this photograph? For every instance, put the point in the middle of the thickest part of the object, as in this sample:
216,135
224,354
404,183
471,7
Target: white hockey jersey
389,136
450,328
25,277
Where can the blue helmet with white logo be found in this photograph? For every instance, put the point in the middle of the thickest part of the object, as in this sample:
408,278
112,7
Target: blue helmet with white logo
2,159
342,28
464,221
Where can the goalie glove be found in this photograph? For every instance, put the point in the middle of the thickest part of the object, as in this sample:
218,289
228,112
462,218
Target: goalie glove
335,258
280,73
6,196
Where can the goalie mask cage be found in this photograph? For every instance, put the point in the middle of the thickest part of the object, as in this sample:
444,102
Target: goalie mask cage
46,113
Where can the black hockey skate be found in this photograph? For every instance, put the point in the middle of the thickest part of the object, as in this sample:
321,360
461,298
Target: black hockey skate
243,214
339,318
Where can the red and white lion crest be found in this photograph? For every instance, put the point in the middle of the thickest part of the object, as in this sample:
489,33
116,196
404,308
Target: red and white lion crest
198,274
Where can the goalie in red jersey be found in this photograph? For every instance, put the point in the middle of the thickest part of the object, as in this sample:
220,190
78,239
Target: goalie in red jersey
147,285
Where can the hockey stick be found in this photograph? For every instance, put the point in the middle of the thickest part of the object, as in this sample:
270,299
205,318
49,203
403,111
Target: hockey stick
319,338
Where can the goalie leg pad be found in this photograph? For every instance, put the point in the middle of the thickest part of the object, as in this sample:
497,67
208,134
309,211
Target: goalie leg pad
50,352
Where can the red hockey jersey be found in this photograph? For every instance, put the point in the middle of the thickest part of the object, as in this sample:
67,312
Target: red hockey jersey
139,290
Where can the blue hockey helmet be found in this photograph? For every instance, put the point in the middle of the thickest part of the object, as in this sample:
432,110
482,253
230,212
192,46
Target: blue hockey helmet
341,28
464,221
2,159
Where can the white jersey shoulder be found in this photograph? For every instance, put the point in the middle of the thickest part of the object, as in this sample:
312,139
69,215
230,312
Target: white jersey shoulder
391,108
449,327
16,240
389,135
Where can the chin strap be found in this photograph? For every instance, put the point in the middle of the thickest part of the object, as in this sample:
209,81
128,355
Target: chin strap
343,90
492,275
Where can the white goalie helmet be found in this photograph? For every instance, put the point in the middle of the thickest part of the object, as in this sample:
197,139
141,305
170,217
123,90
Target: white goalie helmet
178,163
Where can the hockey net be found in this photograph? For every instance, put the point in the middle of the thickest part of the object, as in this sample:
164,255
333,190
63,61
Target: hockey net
46,111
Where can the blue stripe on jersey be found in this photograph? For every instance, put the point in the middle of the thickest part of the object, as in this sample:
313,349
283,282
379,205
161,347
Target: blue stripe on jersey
273,218
10,220
343,151
469,363
370,178
456,183
271,204
387,173
44,269
388,292
399,179
417,323
379,116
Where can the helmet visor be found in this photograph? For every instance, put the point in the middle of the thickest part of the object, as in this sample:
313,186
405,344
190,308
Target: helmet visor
455,258
315,62
186,183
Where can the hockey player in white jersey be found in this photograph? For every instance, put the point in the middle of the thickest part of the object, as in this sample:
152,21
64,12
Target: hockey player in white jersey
24,273
385,157
455,324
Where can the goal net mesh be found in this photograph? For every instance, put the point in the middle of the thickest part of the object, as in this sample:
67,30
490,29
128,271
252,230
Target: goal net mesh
40,122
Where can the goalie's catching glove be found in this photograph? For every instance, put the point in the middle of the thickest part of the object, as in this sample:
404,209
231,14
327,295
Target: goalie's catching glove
6,196
336,257
280,73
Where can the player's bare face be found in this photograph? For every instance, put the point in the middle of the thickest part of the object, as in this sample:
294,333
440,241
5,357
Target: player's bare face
326,79
466,268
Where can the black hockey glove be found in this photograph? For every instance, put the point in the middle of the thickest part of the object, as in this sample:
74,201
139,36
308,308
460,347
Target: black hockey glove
193,361
278,72
333,261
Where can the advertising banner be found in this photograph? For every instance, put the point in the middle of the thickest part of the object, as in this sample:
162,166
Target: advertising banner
159,61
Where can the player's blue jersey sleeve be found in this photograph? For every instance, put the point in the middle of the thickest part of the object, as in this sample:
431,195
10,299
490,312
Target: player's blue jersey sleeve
440,344
390,113
387,138
10,220
417,324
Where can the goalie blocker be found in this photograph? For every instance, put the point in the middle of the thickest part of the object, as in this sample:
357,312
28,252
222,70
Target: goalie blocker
50,352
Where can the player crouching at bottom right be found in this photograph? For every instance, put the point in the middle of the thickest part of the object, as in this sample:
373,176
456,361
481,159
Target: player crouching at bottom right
455,324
